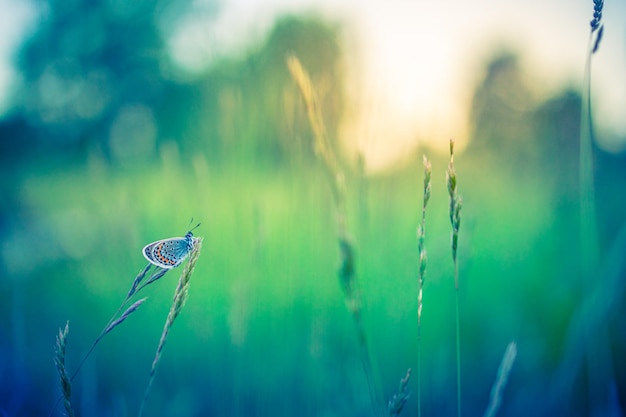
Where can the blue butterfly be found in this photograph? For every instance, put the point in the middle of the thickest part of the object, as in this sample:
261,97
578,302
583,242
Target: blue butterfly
169,253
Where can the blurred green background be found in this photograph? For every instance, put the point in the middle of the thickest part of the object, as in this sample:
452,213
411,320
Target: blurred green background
107,143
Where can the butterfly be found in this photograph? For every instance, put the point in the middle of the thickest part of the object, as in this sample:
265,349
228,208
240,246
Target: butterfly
169,253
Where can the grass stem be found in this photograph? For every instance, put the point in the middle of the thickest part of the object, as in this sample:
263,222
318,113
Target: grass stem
501,380
455,221
117,318
458,343
59,361
595,344
336,180
421,236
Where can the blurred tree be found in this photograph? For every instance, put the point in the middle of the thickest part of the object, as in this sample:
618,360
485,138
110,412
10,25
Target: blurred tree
557,123
251,106
502,114
97,73
92,74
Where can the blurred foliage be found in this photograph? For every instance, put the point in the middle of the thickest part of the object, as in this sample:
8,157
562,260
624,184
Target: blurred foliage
88,69
105,151
97,77
249,109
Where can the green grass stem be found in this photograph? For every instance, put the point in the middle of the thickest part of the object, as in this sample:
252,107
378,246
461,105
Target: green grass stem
116,319
596,339
495,398
336,180
455,221
421,236
398,401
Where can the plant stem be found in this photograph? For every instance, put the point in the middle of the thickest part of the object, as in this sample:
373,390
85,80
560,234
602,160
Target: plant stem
598,373
588,228
180,297
336,180
421,236
106,329
458,340
455,221
419,372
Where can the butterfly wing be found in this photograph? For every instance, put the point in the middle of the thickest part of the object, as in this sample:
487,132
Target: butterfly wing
167,253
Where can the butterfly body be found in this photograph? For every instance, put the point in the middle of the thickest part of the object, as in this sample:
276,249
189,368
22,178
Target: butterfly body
169,253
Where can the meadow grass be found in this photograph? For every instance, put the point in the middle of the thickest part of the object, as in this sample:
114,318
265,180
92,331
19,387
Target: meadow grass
347,272
138,284
282,272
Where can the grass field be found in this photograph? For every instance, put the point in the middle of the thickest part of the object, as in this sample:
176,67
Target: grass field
265,330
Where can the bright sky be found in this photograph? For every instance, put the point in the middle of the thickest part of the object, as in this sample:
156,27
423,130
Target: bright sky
413,63
16,19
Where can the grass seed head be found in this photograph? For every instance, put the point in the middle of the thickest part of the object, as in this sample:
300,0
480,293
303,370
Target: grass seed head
597,14
398,401
427,175
59,361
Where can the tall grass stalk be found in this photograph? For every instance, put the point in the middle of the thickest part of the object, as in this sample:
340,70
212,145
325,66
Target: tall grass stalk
398,401
588,224
421,236
596,343
503,376
180,297
336,180
59,361
117,318
455,221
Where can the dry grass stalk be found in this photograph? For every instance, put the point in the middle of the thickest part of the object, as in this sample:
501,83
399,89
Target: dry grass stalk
336,179
322,144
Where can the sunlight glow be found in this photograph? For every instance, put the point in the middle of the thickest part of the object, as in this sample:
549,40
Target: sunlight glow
412,69
407,95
